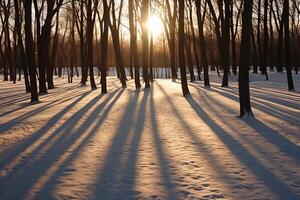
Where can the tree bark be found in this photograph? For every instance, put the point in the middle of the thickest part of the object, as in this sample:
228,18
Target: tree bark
184,85
244,91
30,50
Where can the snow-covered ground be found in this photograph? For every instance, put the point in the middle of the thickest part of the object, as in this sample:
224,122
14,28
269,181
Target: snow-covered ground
150,144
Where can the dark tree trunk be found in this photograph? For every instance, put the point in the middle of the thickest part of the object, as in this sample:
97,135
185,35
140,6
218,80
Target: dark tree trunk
133,45
89,42
184,85
244,91
266,41
194,41
254,53
114,27
203,52
271,52
30,50
286,22
21,45
104,44
226,44
53,55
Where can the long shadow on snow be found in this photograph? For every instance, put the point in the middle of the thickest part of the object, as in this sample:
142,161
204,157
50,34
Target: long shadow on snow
263,106
49,186
210,103
271,135
44,156
277,186
15,151
36,111
165,172
202,147
60,96
117,175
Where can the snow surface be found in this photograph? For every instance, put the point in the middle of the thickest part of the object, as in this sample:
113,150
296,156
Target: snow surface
150,144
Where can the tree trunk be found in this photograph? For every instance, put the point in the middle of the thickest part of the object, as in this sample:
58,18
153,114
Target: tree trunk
145,40
133,45
89,43
104,44
184,85
21,45
244,91
30,50
202,42
286,22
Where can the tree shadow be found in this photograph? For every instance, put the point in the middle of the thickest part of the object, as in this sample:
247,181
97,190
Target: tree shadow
119,168
26,115
46,154
50,185
270,99
165,172
211,103
262,106
286,146
201,146
278,187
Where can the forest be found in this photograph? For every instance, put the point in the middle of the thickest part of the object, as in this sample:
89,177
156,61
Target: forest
221,73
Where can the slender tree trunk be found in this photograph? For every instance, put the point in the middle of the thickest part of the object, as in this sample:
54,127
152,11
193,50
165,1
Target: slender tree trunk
104,44
199,70
151,59
286,22
145,39
202,42
21,45
133,45
89,43
114,27
184,85
53,55
266,40
189,57
271,53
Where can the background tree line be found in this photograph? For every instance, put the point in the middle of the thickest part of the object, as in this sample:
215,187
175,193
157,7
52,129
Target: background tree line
42,38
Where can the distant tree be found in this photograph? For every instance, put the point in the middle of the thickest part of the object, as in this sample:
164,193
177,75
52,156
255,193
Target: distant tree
104,44
133,42
265,55
201,13
43,40
222,31
115,33
194,39
91,7
170,30
20,44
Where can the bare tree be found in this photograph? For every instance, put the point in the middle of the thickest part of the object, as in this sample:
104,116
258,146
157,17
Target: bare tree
244,91
184,85
30,63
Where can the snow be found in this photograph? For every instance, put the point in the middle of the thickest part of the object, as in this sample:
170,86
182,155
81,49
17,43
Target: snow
150,144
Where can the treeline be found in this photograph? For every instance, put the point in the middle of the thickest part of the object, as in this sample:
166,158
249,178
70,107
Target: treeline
38,38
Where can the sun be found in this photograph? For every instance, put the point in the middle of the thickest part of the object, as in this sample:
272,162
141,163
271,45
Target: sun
155,26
